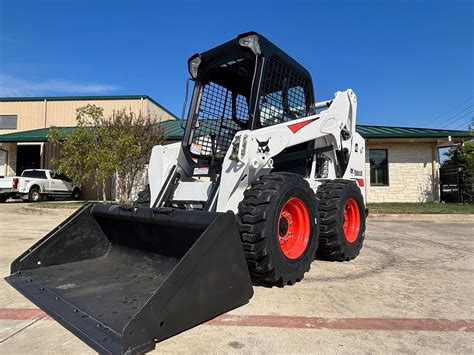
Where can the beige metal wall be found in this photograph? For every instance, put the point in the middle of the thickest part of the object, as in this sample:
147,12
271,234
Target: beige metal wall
42,114
31,115
157,112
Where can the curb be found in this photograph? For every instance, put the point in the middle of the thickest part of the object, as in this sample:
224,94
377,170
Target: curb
422,217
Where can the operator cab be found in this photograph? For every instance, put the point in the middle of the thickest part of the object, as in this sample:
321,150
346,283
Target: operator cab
246,83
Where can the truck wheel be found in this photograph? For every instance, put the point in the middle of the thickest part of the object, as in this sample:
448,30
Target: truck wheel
34,195
143,197
76,194
3,199
277,227
341,215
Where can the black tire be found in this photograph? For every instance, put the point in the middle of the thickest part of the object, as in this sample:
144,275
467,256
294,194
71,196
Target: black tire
331,198
34,195
3,199
76,194
144,197
259,222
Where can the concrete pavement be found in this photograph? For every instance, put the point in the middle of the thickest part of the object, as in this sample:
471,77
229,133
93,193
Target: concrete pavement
411,290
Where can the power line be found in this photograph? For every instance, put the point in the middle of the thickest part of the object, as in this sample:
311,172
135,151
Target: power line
465,124
458,122
451,109
444,118
452,118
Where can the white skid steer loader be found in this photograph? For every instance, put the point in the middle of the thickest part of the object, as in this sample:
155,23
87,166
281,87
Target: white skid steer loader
264,180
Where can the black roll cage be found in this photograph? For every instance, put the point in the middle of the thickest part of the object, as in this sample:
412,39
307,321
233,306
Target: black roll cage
229,51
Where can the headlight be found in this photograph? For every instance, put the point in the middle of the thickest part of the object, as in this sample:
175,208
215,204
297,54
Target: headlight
251,42
194,66
239,148
243,147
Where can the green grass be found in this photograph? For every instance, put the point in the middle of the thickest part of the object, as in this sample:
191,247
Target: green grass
420,208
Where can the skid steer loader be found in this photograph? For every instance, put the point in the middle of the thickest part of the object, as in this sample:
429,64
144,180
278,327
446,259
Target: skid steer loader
264,179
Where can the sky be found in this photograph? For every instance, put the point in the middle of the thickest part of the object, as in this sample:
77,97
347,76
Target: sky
410,62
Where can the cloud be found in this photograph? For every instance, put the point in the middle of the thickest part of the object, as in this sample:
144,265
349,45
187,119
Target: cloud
11,86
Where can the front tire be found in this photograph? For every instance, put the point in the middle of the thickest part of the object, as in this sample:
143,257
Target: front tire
76,194
341,214
277,225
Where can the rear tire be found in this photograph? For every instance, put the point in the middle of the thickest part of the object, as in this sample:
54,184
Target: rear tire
277,226
3,199
34,195
341,215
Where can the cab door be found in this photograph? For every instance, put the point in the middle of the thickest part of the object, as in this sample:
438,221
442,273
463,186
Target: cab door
58,184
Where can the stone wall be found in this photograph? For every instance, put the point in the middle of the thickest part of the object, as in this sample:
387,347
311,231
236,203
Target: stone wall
410,173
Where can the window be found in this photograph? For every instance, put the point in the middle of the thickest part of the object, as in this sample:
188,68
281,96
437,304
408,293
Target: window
60,177
8,121
218,120
378,167
37,174
222,108
284,95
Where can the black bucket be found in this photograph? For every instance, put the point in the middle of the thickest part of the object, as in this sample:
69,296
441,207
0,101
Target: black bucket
123,278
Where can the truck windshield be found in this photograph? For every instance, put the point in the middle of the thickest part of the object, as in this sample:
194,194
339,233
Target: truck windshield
34,174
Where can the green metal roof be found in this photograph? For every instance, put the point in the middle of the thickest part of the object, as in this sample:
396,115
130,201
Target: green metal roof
408,132
35,135
172,129
174,132
86,98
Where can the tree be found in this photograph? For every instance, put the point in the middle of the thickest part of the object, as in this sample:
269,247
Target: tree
99,148
463,154
134,137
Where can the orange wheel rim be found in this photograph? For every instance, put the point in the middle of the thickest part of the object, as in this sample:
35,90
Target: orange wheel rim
351,223
293,228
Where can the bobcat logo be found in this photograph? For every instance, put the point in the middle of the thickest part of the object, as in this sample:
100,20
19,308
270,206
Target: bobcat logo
263,146
356,172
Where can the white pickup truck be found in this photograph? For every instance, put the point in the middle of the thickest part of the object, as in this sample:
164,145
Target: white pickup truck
34,184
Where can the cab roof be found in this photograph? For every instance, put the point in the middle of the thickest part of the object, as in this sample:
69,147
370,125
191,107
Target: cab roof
232,49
